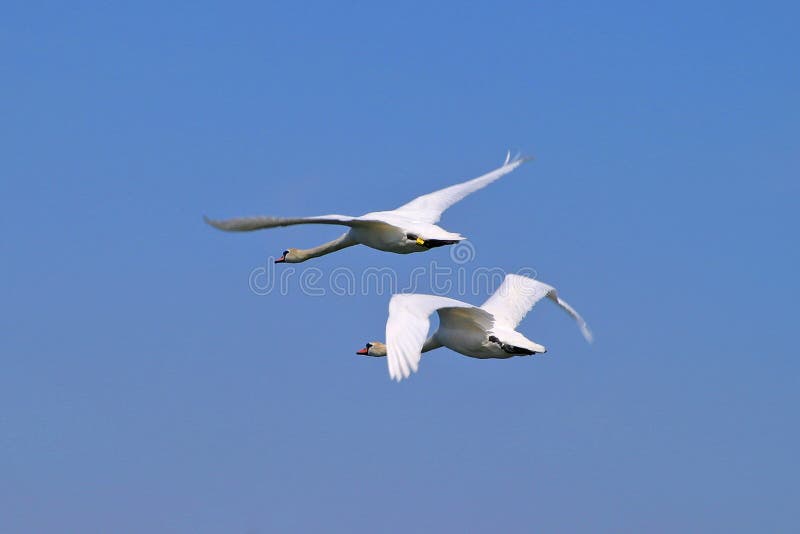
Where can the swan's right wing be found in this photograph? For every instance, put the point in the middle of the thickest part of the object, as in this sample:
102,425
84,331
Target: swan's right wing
246,224
587,334
407,328
517,295
429,208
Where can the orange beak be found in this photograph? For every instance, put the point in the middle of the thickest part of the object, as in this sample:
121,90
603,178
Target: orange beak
282,259
363,351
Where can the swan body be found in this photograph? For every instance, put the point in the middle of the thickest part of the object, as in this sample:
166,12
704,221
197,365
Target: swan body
486,331
393,232
410,228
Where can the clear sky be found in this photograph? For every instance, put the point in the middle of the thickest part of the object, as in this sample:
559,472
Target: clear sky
145,387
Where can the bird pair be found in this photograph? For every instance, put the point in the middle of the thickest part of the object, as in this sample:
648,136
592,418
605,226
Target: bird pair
488,331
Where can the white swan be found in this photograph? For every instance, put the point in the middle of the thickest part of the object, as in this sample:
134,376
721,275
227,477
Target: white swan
488,331
409,228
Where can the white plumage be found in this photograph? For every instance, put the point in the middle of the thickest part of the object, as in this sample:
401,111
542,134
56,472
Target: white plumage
487,331
410,228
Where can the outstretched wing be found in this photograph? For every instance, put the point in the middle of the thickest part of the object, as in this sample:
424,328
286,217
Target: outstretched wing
246,224
429,208
407,328
517,295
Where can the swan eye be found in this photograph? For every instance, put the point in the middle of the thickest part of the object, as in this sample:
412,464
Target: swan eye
285,252
369,345
412,237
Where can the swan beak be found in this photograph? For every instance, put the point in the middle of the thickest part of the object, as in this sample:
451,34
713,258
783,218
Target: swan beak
420,241
363,352
282,259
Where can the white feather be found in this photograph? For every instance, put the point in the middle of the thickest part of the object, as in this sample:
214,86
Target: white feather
407,328
517,295
429,208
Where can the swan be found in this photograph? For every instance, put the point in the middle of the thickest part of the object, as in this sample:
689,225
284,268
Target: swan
410,228
487,331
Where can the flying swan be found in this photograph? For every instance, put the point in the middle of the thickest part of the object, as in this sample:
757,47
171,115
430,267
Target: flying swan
410,228
488,331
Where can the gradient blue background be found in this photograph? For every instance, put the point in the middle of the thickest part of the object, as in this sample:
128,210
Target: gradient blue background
145,388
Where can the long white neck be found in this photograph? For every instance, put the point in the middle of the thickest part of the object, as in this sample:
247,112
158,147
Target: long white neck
339,243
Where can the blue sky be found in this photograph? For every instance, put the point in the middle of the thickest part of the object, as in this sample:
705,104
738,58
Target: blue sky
146,388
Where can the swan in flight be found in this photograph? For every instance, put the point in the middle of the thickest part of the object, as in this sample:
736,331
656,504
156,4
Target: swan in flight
410,228
488,331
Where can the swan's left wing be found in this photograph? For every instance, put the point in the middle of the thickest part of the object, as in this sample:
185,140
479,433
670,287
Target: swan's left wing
247,224
407,328
429,208
517,295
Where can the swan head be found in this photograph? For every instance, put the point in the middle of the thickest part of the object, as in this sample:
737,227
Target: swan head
290,255
373,348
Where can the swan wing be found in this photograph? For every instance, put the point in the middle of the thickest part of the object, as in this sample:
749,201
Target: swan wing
429,208
407,328
517,295
587,334
246,224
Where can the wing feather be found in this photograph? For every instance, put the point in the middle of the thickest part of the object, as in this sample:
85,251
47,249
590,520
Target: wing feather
587,334
407,328
246,224
517,295
429,208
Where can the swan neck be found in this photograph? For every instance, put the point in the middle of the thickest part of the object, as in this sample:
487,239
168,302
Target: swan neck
326,248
